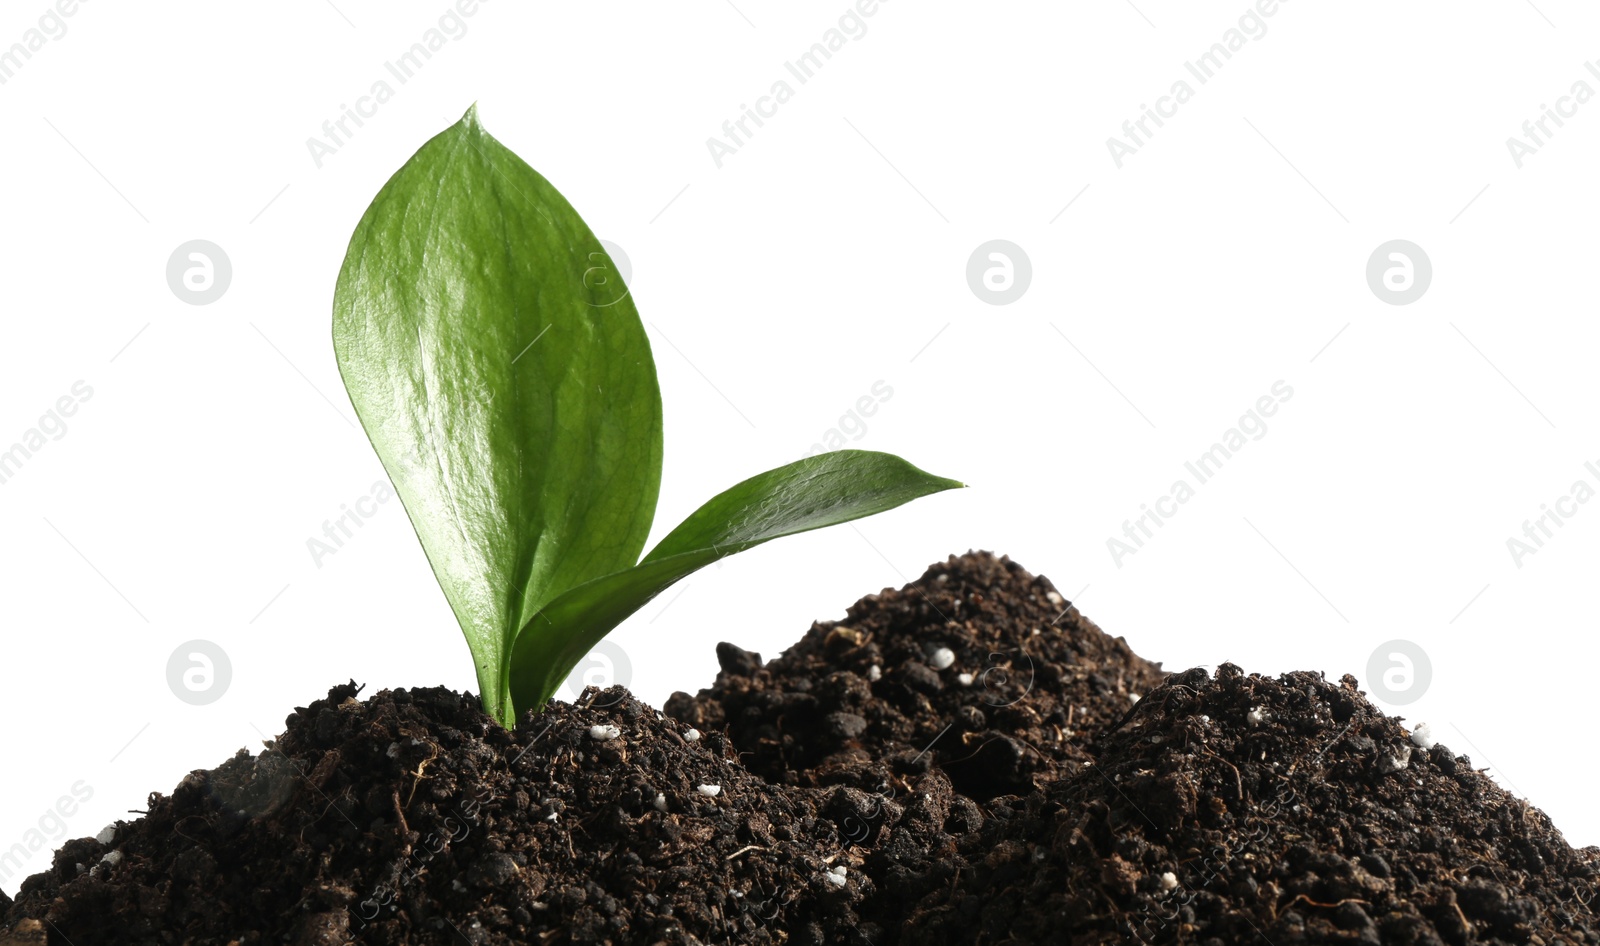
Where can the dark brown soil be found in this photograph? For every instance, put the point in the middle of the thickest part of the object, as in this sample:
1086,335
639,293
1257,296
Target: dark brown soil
1037,802
412,818
1032,682
1243,809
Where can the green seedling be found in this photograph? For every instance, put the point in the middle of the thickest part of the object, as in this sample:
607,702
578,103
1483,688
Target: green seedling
503,375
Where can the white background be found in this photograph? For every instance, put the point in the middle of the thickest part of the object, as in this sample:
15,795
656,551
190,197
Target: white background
828,253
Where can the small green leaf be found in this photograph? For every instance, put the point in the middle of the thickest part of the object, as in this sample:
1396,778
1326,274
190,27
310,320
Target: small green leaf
506,383
808,494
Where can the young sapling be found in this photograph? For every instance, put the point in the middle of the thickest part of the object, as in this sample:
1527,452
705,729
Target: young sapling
503,375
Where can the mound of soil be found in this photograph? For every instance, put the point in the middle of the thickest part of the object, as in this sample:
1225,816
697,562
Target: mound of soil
412,818
1243,809
965,760
983,666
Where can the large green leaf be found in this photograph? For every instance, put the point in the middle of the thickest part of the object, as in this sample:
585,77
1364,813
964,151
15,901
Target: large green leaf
807,494
506,383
